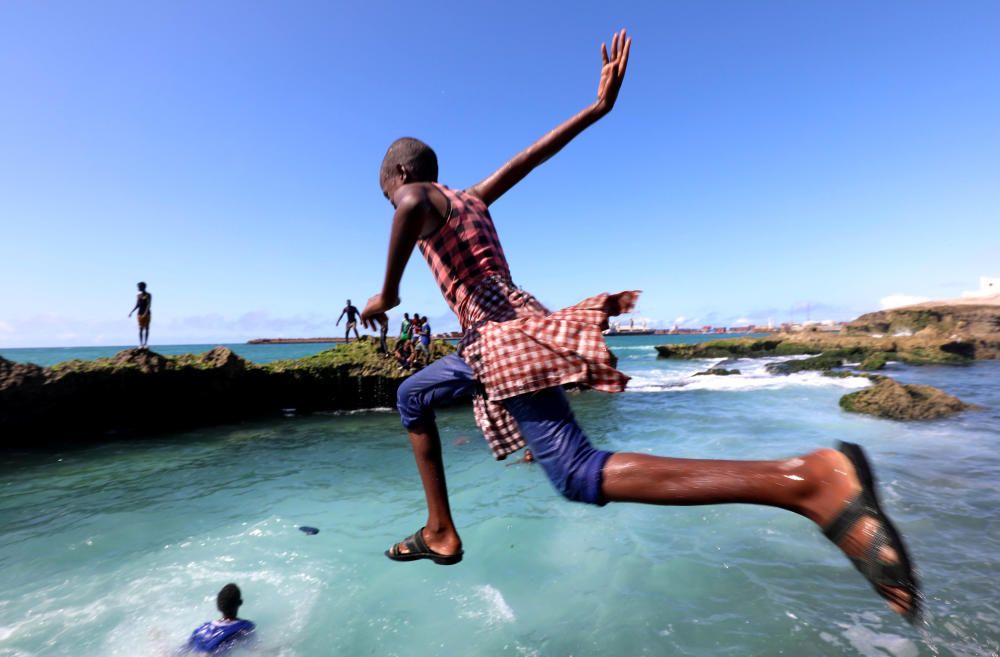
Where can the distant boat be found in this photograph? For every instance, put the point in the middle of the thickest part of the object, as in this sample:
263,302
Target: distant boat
615,328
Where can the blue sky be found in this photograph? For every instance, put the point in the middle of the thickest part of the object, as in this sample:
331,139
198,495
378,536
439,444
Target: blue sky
763,157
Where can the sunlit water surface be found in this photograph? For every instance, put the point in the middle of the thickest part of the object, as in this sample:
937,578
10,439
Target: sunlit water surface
119,549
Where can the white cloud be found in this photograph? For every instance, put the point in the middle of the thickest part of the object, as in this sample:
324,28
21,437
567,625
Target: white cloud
899,299
743,320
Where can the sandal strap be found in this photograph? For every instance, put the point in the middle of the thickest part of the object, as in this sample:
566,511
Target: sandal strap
877,570
418,541
414,544
870,564
855,510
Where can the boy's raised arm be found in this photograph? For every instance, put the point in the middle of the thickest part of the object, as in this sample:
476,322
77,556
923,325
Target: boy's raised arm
612,74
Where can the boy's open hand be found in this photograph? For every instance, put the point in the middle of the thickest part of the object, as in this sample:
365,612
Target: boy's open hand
374,315
612,71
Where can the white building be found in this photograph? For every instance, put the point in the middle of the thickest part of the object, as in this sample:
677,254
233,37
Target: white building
988,287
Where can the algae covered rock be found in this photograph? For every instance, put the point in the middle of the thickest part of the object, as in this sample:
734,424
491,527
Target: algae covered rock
907,349
897,401
716,371
873,362
821,362
138,392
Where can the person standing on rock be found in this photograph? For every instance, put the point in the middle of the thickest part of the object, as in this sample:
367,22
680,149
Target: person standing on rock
404,328
352,320
144,304
516,355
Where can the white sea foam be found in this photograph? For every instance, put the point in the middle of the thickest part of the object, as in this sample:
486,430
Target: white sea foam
872,643
358,411
487,605
753,376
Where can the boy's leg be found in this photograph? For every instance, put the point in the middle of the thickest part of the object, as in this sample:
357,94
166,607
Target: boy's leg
819,485
442,382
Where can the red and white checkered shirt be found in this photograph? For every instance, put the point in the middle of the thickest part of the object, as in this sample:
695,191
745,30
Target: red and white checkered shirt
513,344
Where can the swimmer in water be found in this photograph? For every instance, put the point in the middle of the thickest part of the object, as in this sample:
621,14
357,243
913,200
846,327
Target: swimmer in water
220,636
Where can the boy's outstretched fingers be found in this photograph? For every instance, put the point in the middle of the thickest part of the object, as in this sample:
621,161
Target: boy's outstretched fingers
375,311
613,69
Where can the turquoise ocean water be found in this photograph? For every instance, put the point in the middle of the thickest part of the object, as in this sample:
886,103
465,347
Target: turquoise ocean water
119,549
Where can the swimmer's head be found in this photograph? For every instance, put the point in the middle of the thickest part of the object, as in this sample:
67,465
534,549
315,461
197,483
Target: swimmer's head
141,286
348,302
408,160
229,601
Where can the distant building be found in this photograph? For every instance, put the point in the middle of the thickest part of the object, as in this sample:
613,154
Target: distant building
988,287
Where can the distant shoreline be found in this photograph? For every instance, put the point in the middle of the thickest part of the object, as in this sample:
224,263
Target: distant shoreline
443,336
294,340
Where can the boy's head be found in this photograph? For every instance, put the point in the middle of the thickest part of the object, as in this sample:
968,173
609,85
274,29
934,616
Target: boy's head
406,316
408,160
229,601
141,286
348,302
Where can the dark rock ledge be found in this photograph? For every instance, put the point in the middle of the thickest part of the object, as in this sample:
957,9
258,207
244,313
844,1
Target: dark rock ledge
137,392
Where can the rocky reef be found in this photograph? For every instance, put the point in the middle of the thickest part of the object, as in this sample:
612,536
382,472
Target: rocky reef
717,371
898,401
914,350
831,354
138,392
967,317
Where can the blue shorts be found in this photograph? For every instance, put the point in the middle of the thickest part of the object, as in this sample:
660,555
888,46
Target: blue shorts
559,445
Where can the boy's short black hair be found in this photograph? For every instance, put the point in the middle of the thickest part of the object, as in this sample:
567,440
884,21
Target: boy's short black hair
229,600
415,155
142,285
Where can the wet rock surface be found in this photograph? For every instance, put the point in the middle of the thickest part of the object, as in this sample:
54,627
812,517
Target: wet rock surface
717,371
913,350
139,392
831,354
897,401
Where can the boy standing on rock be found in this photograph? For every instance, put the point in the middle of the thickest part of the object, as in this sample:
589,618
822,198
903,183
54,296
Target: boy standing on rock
144,304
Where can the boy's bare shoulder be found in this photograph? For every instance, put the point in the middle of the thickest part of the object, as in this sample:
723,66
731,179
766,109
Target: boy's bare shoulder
420,198
412,194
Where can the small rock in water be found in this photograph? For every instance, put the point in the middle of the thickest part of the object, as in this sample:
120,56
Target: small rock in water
311,531
899,401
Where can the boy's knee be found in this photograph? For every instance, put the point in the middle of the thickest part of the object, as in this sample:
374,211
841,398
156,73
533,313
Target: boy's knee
410,404
581,480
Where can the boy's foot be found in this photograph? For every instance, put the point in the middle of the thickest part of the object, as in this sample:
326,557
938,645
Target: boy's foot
415,547
852,518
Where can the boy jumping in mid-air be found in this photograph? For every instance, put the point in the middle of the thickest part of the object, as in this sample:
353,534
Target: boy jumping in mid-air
515,355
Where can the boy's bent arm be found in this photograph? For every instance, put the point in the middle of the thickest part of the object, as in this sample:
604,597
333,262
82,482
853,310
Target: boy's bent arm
412,211
612,74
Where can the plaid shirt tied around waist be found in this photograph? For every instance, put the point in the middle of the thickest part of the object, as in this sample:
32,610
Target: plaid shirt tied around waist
514,344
